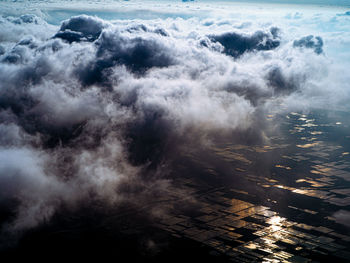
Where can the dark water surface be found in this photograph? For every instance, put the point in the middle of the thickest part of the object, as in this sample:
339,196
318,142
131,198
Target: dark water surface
287,201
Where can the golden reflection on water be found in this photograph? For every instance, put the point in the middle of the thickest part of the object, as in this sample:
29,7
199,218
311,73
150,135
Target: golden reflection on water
257,231
283,167
308,145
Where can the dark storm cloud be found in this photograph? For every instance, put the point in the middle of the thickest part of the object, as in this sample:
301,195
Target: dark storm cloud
138,54
315,43
96,110
80,28
284,85
236,44
71,36
249,91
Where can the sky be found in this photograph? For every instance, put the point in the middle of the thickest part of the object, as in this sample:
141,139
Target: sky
97,99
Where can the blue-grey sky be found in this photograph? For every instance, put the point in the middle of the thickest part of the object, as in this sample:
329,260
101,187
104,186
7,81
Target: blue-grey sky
310,2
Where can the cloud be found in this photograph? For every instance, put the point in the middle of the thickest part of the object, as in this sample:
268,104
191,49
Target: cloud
237,44
347,13
23,178
97,110
315,43
80,28
14,29
136,53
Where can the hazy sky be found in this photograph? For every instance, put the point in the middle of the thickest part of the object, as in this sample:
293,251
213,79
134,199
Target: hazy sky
317,2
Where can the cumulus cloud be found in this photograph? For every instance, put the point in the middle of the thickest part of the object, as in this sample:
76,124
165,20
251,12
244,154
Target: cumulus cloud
237,44
315,43
80,28
95,110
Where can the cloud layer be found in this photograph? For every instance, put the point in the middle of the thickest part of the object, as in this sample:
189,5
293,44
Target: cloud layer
96,110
